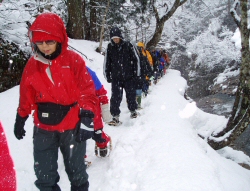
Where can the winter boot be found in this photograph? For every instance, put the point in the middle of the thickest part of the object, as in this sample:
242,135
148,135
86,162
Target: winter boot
83,187
87,163
56,188
138,100
144,94
115,121
134,114
103,149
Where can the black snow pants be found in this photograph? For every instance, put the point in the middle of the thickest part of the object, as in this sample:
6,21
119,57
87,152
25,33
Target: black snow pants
117,92
46,146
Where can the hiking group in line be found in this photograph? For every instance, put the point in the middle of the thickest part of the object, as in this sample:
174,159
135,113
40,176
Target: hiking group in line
68,102
132,68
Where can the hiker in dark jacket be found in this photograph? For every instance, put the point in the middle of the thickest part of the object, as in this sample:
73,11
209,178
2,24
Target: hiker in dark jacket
121,66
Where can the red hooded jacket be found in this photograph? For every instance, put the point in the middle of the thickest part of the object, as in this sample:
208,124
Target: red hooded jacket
7,171
103,99
63,80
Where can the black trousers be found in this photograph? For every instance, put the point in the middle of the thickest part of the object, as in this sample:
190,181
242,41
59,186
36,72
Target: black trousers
117,92
46,147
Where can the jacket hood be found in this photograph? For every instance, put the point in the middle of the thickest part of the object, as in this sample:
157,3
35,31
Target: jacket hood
50,24
115,32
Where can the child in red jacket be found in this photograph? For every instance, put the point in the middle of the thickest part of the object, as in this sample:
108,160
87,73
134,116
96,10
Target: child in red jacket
103,144
60,93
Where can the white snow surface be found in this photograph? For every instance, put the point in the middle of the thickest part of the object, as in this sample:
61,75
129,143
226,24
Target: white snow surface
160,150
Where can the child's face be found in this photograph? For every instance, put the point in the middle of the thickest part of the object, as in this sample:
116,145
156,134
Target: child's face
47,47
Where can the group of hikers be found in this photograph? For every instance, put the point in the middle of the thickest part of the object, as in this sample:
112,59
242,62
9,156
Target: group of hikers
70,104
132,68
156,62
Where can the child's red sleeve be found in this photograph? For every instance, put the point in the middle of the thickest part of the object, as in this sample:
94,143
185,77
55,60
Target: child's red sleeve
102,95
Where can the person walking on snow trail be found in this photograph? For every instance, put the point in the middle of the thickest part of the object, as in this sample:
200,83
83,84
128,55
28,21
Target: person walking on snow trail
146,53
121,67
167,60
58,87
149,59
141,82
156,62
103,141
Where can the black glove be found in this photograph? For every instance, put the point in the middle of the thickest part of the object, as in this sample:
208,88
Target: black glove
98,136
85,128
19,126
109,80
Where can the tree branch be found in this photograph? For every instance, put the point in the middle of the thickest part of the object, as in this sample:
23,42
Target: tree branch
156,13
234,14
175,6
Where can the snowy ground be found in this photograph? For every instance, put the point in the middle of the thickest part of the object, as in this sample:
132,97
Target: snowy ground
160,150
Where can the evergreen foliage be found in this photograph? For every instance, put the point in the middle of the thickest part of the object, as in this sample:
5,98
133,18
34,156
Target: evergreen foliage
12,63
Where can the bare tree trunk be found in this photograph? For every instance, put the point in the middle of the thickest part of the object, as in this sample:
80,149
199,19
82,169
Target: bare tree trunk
85,22
161,21
240,117
75,21
157,34
136,34
228,6
93,20
103,26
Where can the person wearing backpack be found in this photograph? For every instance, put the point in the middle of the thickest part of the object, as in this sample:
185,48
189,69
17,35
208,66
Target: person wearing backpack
141,82
150,60
156,62
146,53
167,60
121,67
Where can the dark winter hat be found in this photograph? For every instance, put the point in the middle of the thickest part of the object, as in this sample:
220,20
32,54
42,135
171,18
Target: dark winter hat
43,36
115,33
